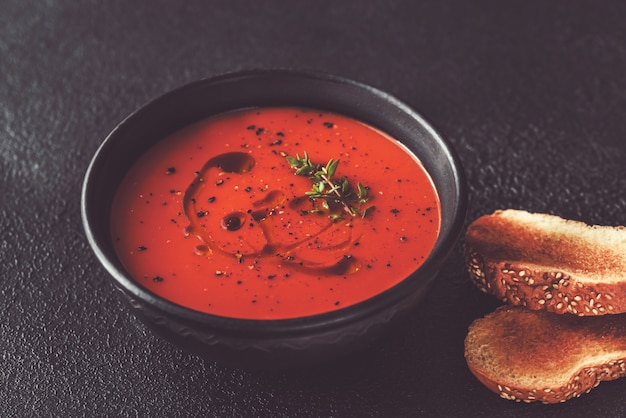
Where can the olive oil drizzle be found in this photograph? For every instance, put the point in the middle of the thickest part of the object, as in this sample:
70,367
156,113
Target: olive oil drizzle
286,254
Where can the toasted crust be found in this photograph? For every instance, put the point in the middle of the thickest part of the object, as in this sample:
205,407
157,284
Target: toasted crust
545,262
538,356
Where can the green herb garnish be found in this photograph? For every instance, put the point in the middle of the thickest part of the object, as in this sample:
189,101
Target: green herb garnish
329,190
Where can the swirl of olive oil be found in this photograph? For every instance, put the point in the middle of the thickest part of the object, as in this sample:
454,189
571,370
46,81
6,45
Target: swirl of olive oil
264,209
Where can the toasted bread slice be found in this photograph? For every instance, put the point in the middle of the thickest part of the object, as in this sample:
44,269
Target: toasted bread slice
545,262
512,352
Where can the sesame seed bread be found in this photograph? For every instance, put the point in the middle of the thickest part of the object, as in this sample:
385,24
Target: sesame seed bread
510,352
545,262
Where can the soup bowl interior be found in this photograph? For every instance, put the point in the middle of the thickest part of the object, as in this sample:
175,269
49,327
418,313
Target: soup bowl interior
285,342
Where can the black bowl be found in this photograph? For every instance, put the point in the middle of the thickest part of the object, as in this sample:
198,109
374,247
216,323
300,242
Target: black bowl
285,342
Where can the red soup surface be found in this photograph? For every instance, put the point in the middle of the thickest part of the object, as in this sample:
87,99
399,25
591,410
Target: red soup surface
216,218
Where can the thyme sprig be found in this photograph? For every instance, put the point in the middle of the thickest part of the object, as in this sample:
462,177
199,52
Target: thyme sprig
329,189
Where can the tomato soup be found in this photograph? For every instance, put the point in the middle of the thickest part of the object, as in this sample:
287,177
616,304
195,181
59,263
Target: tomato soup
272,213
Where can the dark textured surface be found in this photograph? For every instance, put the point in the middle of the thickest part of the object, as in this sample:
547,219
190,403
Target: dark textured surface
531,94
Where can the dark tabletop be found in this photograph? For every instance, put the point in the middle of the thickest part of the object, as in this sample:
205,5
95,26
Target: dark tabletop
532,95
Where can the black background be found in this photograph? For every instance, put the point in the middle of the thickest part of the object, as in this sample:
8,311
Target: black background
531,94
